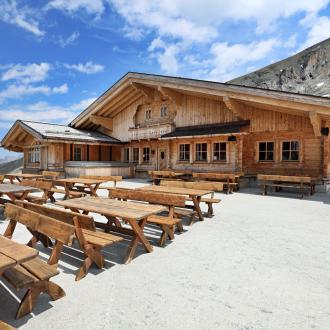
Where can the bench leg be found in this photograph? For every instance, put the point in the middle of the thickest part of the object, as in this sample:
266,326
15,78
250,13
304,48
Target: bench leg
210,210
93,255
10,229
31,297
179,227
167,231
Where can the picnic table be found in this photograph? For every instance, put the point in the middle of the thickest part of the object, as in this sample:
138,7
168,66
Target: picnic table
83,185
194,194
15,192
21,176
156,176
134,213
287,181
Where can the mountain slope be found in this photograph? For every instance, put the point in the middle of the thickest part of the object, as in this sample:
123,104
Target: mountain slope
307,72
12,166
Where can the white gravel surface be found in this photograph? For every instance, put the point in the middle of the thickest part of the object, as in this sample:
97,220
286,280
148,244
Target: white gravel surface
262,262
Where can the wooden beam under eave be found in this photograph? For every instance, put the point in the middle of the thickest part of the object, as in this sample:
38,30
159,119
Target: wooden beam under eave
148,92
235,107
174,96
102,121
316,123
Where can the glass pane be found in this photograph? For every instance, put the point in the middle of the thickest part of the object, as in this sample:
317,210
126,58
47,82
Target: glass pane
262,146
294,155
270,146
286,146
294,145
262,155
204,146
286,155
270,156
223,146
222,156
216,147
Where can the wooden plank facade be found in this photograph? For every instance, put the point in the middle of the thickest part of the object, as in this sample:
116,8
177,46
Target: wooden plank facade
152,116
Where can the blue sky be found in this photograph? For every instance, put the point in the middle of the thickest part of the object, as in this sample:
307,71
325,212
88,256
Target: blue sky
57,56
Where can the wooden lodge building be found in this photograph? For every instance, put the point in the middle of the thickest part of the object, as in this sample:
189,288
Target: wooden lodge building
145,122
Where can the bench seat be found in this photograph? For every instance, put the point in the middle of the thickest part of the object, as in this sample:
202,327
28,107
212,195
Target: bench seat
99,238
35,276
184,212
167,224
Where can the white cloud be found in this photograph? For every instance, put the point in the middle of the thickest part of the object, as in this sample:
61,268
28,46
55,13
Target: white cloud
228,58
17,91
63,42
319,30
71,6
27,73
88,67
22,17
42,111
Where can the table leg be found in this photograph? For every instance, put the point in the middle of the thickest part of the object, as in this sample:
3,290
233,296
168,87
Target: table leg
197,200
139,236
93,189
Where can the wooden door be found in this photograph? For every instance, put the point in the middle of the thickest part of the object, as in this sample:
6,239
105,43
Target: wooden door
162,159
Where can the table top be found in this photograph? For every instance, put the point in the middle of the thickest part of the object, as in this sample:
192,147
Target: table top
113,208
176,190
13,253
23,175
15,188
81,180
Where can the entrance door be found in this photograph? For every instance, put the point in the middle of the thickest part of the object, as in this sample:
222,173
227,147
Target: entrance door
162,159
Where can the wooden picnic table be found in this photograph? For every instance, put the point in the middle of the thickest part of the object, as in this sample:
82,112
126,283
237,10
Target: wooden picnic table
287,181
21,176
13,254
194,194
134,213
83,185
15,192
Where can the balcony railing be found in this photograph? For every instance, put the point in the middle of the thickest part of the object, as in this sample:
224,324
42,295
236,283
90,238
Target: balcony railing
149,132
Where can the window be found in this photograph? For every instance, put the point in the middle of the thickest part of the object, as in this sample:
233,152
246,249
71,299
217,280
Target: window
184,152
146,155
201,152
126,154
290,150
220,151
135,155
77,153
148,114
163,111
266,151
33,155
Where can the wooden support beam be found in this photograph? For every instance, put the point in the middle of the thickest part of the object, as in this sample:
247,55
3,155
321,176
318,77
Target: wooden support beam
174,96
235,107
148,92
102,121
316,122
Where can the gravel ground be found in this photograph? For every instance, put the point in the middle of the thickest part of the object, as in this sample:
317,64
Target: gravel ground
262,262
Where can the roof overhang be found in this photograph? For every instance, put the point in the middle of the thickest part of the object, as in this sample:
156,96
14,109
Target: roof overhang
134,86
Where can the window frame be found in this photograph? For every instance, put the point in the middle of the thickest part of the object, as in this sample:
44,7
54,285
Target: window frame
163,111
148,114
126,155
220,151
201,152
138,154
184,152
266,151
143,155
33,155
290,151
77,147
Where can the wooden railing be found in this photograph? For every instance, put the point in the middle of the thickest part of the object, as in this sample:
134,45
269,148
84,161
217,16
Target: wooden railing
149,132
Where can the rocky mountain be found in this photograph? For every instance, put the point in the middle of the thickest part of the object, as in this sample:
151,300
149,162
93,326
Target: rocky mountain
307,72
12,166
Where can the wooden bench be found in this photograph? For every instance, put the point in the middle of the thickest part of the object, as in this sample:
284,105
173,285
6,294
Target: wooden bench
230,180
207,185
90,240
278,182
72,193
44,186
168,223
112,178
50,175
33,275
